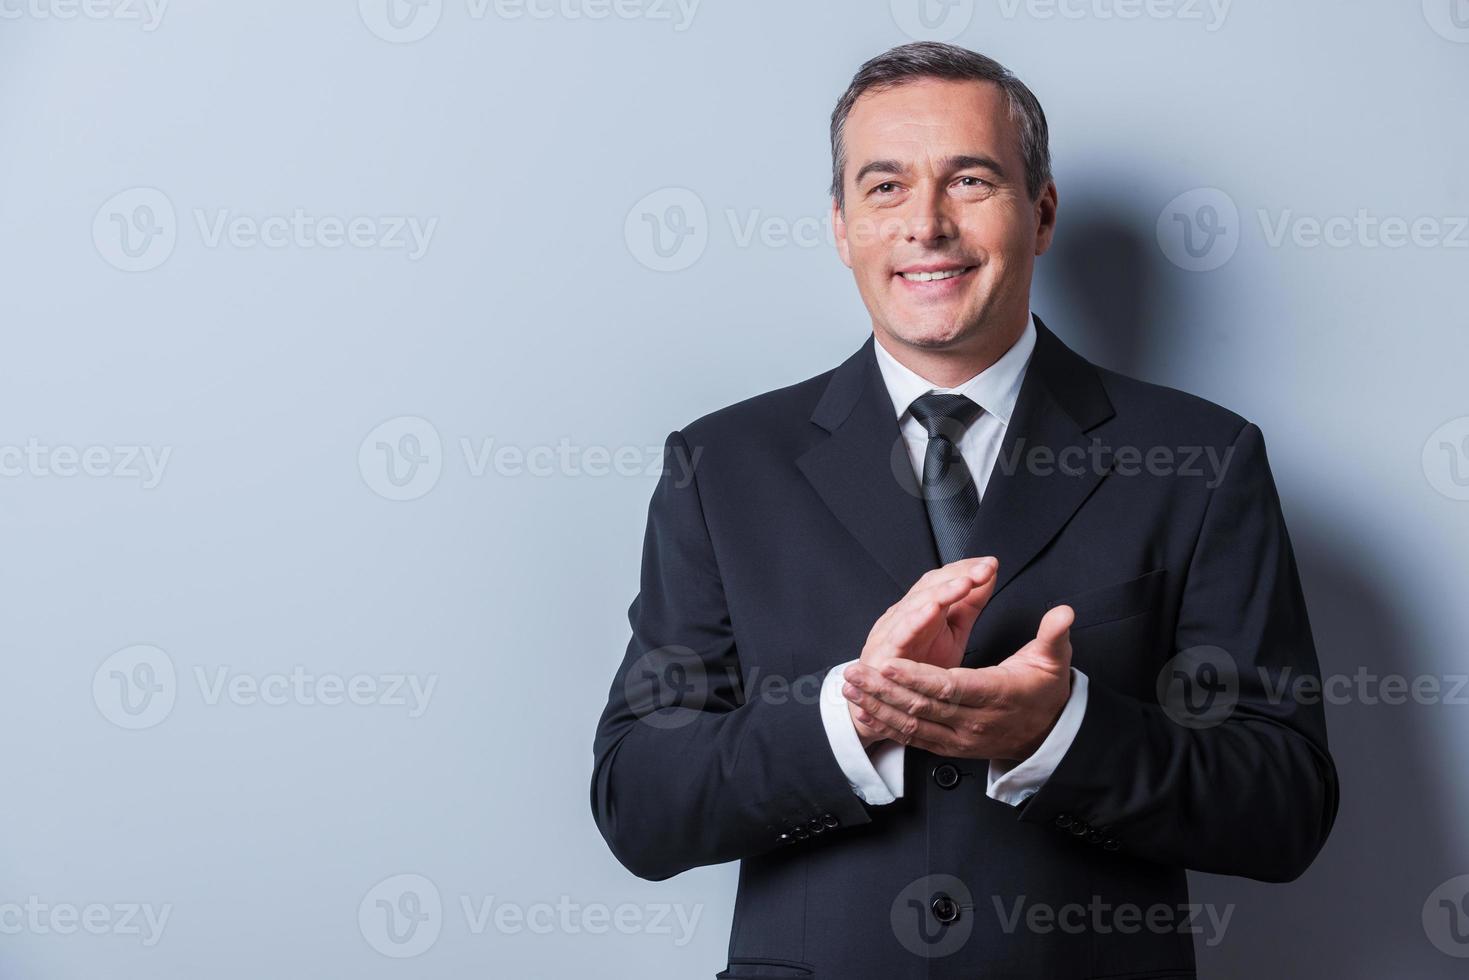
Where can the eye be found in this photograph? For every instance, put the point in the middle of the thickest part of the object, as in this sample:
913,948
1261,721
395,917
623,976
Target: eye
886,187
973,181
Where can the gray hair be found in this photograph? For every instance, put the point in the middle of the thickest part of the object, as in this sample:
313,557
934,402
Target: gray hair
930,59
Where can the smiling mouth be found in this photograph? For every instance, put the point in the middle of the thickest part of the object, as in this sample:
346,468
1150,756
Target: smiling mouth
937,276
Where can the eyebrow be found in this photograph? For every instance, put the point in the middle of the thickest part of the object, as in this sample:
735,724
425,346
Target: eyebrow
960,162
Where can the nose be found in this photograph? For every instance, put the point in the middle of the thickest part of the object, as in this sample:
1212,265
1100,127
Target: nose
929,223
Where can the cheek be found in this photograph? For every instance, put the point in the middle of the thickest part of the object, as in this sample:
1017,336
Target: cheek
871,263
995,228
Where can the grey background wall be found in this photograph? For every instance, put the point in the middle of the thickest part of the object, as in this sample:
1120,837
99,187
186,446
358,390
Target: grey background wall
338,349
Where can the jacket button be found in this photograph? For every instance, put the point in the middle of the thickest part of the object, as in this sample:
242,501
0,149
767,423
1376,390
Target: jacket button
946,776
945,909
1079,828
1063,820
817,827
800,833
1111,844
1095,837
830,820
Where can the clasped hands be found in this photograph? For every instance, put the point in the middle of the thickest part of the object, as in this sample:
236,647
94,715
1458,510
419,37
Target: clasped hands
908,685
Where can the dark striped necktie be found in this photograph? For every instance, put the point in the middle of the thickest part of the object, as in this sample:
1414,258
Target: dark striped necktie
949,493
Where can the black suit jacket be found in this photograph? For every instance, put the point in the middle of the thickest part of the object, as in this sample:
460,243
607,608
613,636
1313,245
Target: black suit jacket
768,560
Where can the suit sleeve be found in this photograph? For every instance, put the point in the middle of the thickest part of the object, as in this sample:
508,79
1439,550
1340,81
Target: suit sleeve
1225,770
687,770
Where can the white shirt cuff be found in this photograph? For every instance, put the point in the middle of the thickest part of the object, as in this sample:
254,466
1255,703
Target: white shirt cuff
1014,782
876,776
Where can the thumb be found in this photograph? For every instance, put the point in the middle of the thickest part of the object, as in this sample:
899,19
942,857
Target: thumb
1053,636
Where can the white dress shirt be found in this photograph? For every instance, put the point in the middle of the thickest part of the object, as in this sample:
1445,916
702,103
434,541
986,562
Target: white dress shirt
876,775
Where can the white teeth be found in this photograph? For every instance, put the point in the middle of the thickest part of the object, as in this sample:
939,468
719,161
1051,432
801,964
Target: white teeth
933,276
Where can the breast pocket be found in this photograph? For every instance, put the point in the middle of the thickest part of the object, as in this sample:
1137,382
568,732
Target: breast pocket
1112,602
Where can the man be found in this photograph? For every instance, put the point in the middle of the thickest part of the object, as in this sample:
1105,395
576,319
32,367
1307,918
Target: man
967,648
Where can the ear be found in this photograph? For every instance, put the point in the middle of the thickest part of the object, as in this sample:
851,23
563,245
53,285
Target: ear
1045,218
839,232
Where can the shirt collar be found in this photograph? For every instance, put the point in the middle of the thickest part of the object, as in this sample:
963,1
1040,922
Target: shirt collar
995,389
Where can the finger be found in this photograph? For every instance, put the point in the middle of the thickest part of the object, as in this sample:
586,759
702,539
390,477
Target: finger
965,611
944,590
915,630
905,726
945,577
973,687
970,567
953,587
869,681
949,590
1054,633
914,742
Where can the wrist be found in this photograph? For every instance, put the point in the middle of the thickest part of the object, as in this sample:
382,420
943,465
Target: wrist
1033,746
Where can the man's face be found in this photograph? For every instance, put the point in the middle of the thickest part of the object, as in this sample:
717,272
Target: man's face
935,183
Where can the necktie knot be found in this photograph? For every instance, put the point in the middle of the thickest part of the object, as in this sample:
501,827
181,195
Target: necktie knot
944,415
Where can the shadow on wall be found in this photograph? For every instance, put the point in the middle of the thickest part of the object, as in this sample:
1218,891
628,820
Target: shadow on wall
1357,912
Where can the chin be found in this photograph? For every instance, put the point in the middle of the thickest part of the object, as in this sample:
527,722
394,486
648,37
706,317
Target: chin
934,336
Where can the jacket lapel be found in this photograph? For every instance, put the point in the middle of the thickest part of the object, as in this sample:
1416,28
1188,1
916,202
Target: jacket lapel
861,469
1047,465
863,474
